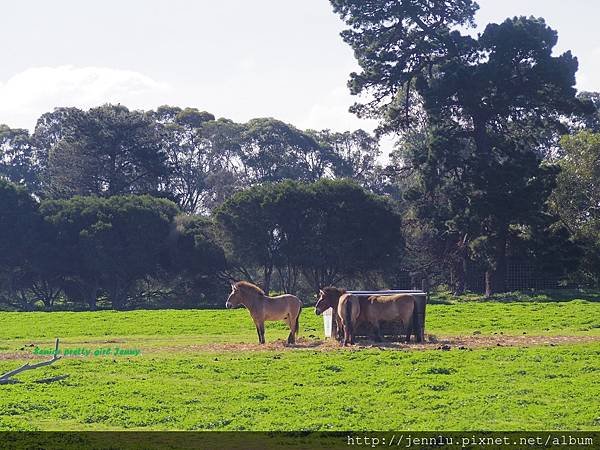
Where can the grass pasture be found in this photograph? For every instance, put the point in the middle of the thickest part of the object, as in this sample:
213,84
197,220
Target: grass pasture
524,364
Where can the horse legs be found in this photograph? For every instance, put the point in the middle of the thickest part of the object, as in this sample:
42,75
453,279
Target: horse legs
408,331
377,331
260,330
292,324
339,329
348,335
259,335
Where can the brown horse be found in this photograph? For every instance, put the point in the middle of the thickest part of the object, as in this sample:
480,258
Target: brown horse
329,297
349,312
285,307
389,308
358,310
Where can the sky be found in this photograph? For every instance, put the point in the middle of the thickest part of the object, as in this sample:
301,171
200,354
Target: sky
234,58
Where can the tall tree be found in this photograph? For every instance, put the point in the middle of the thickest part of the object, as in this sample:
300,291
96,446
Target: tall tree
111,243
325,230
107,151
19,161
576,199
19,221
504,92
591,120
272,150
353,155
201,154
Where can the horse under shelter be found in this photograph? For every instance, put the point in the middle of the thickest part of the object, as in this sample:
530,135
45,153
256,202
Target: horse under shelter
388,328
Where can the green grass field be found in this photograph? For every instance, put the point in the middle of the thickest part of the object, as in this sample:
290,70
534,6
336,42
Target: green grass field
512,365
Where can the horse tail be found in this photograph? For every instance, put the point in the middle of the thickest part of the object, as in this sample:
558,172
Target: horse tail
298,321
348,318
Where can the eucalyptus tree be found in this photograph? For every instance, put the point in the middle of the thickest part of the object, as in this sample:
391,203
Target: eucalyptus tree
19,160
108,150
271,150
353,155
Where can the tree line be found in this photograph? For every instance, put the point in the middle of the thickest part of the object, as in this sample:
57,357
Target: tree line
185,155
127,251
497,160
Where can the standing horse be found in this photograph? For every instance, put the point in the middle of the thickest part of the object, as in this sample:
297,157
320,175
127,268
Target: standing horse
261,307
329,297
349,309
392,308
352,311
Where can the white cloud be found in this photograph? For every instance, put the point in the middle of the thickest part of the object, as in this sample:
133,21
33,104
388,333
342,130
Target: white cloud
28,94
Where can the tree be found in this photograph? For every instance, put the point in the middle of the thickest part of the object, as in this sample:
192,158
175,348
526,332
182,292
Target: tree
353,155
112,243
193,262
347,231
201,156
272,151
18,159
504,93
591,120
18,228
576,199
106,151
394,44
248,233
325,230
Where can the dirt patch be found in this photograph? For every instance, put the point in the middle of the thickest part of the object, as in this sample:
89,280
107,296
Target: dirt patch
19,355
432,343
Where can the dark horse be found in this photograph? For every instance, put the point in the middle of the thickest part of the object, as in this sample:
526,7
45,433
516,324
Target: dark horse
329,297
261,307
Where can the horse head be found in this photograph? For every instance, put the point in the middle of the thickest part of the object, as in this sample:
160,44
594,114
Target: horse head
328,298
235,298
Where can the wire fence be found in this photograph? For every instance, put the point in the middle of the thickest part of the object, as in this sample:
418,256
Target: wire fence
521,275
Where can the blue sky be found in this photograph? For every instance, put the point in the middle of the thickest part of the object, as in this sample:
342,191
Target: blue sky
235,58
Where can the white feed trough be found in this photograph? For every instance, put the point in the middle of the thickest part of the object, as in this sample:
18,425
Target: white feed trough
420,296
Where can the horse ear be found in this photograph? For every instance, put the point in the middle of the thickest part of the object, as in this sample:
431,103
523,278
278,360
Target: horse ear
233,287
321,292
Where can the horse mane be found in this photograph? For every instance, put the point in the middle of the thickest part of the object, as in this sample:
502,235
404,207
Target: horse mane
333,290
247,286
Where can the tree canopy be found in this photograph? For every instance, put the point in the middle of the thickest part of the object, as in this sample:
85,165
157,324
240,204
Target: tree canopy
490,109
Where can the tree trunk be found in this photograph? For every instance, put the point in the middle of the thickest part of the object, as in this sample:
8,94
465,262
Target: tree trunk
425,284
460,266
489,276
495,278
268,271
459,272
92,295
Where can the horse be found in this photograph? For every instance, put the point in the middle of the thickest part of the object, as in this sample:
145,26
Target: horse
329,297
349,310
358,310
391,308
261,307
